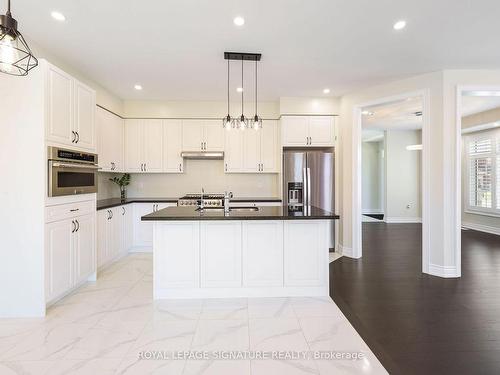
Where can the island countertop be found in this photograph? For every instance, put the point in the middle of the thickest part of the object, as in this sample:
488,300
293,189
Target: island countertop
263,213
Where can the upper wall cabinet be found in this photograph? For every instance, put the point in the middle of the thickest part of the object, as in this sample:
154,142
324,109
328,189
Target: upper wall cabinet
308,131
172,146
70,111
202,135
252,151
110,138
143,146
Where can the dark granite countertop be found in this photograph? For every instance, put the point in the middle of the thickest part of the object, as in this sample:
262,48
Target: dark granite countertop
103,204
263,213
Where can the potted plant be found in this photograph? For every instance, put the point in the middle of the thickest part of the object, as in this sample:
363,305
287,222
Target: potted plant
122,182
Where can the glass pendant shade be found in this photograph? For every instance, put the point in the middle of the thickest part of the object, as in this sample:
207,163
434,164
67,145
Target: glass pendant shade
256,122
16,57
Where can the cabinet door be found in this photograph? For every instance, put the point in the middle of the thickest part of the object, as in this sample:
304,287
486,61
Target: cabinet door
105,130
59,106
251,153
128,228
102,237
117,221
262,240
85,261
116,142
269,147
58,258
220,251
153,146
233,153
192,135
177,257
133,146
294,130
214,135
143,230
321,131
305,252
172,146
84,124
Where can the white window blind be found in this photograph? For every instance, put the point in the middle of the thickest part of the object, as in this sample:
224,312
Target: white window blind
483,174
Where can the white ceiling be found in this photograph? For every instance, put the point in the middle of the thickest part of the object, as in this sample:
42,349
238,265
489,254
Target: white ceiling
174,48
475,104
394,116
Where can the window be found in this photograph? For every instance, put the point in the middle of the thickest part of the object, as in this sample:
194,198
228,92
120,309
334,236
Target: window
482,160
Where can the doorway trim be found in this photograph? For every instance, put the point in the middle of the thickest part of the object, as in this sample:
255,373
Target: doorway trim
424,95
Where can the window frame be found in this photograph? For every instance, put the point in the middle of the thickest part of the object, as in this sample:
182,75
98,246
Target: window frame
494,155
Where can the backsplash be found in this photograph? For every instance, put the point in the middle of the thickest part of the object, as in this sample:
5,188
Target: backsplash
208,174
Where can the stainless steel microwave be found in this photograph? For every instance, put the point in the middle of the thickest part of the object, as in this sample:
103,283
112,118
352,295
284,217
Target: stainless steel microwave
71,172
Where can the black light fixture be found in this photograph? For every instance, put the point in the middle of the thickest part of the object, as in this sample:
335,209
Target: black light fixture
228,121
256,121
242,122
16,57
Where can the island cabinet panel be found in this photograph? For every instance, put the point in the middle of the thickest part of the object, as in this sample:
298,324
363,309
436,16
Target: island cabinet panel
306,253
176,259
262,243
220,254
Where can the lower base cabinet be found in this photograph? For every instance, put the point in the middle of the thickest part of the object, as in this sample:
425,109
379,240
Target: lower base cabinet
69,254
143,230
111,234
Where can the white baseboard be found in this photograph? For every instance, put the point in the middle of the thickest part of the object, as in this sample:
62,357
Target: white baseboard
443,271
347,251
482,228
394,220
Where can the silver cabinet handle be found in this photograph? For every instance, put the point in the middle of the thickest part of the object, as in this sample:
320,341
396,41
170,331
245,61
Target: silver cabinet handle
78,225
145,169
123,213
74,210
111,213
202,146
74,137
77,137
226,167
180,167
74,226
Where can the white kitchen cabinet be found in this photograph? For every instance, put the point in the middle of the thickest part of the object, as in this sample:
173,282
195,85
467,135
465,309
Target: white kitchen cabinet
252,151
202,135
110,138
143,230
70,110
143,146
262,240
179,258
102,237
306,253
84,124
84,247
113,234
308,131
70,250
128,227
58,258
172,146
220,254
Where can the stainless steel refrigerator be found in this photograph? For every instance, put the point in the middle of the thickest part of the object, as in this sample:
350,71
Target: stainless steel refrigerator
309,180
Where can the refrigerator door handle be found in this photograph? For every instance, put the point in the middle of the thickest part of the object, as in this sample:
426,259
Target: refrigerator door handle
308,186
305,193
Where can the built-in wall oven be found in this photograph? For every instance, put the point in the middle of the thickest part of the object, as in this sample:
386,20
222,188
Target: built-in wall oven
71,172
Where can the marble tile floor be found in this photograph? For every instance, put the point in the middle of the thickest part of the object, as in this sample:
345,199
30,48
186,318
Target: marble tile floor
102,328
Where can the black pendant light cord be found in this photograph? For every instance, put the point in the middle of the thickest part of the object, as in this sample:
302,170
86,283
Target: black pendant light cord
242,88
227,87
255,88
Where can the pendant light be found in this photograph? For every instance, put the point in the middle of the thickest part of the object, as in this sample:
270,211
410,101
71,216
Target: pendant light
256,121
242,121
228,122
16,57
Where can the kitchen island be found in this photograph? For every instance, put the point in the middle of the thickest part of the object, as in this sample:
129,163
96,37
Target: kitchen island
247,252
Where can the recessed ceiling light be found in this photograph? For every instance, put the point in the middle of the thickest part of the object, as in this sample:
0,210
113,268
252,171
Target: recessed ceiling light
138,87
400,25
239,89
58,16
239,21
326,91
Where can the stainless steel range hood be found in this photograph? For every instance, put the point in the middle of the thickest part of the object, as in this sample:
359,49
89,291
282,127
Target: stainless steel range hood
207,155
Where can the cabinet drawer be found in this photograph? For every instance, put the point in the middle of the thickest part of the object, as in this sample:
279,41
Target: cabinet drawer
66,211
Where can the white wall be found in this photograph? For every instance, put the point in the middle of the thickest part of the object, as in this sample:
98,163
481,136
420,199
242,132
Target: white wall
309,106
402,169
372,175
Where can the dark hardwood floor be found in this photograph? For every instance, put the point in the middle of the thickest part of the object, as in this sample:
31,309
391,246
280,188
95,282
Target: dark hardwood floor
416,323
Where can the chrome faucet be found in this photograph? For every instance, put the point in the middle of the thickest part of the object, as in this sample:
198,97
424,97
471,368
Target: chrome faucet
202,200
227,196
